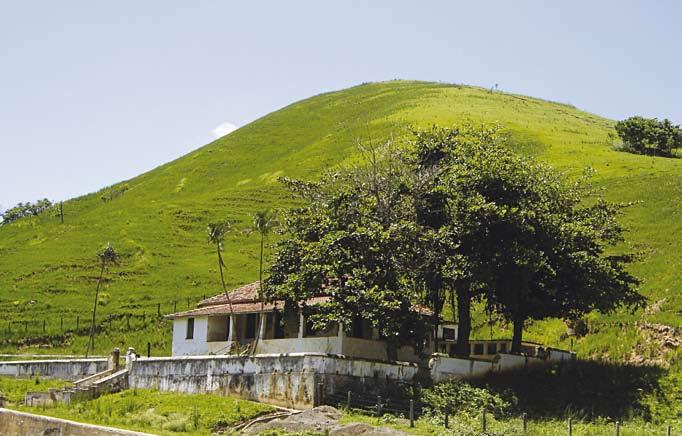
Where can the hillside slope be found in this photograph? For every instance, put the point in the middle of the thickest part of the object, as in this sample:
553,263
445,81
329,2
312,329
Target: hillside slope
158,219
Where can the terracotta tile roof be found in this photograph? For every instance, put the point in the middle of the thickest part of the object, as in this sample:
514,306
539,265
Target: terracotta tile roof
245,300
224,309
247,293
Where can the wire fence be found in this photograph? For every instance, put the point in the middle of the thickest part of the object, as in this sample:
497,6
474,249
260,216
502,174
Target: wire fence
412,408
122,319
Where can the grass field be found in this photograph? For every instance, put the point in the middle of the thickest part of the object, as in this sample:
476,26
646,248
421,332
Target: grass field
203,414
156,412
157,220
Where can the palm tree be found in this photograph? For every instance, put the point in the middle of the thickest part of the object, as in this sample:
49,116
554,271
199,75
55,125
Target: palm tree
216,235
264,222
106,256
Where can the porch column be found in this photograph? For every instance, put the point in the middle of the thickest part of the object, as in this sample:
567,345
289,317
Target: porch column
230,335
261,332
301,324
341,334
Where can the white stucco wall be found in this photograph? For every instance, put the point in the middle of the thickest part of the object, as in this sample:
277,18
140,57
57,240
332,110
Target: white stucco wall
443,368
190,347
72,369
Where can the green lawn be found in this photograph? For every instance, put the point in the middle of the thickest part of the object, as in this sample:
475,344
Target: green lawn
158,412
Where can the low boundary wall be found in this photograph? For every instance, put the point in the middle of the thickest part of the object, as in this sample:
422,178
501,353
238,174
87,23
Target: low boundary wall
28,424
297,380
443,368
65,369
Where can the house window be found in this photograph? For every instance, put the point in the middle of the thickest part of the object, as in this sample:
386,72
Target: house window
503,347
448,334
251,320
492,348
478,349
190,328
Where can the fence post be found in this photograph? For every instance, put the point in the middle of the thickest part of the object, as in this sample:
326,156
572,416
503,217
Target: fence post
78,322
158,310
25,326
175,306
348,400
61,323
110,319
149,349
617,428
411,413
446,418
570,427
379,405
667,430
484,421
44,326
523,418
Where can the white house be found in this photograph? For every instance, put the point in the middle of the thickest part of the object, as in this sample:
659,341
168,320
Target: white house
210,329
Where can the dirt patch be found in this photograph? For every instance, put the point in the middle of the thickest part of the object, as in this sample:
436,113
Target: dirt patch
321,419
659,341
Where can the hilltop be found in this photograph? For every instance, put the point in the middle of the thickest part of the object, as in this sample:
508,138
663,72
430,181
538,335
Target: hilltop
158,220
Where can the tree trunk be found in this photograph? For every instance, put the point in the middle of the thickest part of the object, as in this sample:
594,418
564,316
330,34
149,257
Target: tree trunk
463,320
222,278
91,341
261,294
518,334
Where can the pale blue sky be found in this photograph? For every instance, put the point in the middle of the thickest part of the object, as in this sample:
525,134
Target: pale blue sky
93,92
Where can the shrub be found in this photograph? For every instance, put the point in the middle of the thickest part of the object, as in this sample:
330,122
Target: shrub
460,397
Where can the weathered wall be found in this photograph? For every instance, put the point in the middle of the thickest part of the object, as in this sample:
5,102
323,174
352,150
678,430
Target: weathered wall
286,380
27,424
443,368
195,346
61,369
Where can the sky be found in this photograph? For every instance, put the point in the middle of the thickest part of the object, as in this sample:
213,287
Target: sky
95,92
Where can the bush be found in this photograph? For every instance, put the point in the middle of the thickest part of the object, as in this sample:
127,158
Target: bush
460,397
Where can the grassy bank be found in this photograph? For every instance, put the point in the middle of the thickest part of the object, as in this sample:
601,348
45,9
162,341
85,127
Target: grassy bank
14,389
463,425
156,412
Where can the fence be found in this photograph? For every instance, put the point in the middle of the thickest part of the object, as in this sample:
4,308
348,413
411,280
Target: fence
411,408
54,328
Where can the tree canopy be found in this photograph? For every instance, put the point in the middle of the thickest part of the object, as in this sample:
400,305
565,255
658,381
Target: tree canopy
23,210
453,215
649,135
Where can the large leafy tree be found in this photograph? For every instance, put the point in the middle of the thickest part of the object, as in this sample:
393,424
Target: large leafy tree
532,240
456,216
353,240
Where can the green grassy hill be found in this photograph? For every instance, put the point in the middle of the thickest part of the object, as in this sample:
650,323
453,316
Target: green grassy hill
157,220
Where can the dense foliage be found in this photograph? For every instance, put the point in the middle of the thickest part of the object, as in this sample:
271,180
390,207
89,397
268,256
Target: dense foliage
459,397
454,215
649,135
23,210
